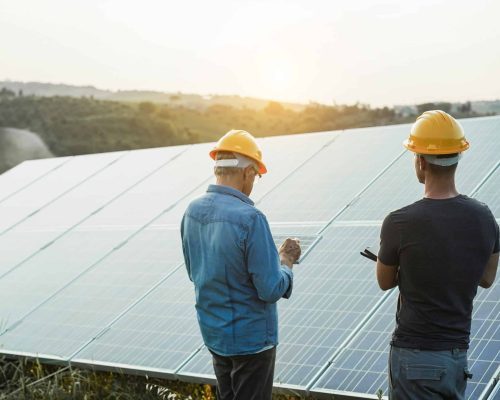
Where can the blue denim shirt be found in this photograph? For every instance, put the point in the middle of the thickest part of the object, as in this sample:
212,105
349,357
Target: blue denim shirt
231,257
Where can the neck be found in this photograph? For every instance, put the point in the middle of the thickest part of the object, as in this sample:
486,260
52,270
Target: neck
231,181
440,187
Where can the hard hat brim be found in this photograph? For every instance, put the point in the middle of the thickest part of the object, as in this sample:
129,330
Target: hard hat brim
413,146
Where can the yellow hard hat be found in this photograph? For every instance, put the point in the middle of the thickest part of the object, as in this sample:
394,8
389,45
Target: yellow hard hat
240,142
436,132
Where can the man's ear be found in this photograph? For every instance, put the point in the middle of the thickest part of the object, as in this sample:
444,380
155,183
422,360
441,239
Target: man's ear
247,171
422,163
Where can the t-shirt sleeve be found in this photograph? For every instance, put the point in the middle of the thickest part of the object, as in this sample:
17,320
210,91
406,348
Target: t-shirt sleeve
389,243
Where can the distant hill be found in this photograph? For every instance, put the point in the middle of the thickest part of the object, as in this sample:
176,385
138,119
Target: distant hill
88,120
82,125
51,89
199,102
193,101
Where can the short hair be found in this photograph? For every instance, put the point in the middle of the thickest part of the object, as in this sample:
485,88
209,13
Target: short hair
226,171
440,170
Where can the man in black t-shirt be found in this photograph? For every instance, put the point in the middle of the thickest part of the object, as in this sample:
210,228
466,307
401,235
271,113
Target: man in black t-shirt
437,251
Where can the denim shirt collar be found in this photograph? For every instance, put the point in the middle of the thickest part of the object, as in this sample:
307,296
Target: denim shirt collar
230,191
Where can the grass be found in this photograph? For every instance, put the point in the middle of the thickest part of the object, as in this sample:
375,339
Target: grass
29,379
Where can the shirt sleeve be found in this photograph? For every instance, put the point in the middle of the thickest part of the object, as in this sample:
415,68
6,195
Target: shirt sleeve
496,247
388,253
271,280
184,250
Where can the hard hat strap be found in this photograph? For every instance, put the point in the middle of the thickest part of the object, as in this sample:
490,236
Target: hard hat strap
238,161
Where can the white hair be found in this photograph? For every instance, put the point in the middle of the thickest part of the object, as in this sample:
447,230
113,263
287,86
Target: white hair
228,163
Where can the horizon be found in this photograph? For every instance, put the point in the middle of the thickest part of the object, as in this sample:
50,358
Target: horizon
330,52
115,91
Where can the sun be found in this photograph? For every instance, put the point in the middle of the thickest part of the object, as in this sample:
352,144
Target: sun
277,76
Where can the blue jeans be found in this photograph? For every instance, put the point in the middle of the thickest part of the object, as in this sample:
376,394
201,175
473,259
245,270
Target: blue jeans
421,374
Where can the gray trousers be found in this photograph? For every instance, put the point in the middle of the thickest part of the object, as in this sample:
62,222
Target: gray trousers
431,375
248,377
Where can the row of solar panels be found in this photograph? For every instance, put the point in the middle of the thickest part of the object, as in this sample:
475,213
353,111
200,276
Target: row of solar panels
91,266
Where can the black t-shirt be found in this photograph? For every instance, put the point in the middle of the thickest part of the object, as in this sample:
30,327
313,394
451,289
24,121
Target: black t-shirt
442,248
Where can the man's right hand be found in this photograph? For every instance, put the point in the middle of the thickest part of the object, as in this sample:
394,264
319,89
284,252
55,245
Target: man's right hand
290,252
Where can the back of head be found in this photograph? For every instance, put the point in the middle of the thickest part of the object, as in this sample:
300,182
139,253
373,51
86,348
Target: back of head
226,170
443,165
238,142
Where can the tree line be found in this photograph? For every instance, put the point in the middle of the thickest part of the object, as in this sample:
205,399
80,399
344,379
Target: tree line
70,125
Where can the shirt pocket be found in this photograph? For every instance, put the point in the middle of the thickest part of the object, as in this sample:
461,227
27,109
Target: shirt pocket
425,372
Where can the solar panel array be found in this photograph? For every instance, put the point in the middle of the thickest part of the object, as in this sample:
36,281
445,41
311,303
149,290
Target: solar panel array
91,267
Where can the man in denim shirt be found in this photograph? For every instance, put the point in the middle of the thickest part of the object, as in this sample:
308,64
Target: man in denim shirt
237,271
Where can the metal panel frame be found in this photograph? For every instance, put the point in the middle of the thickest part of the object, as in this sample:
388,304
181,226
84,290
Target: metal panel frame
492,388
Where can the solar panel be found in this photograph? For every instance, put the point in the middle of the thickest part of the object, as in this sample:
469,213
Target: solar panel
137,174
398,186
489,192
42,276
330,180
199,366
483,154
158,333
80,311
47,189
362,366
26,173
83,204
284,154
484,351
67,258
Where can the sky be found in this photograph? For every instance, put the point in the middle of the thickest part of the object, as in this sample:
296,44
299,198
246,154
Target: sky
328,51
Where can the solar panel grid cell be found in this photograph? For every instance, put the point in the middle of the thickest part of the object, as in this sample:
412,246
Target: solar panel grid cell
22,176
